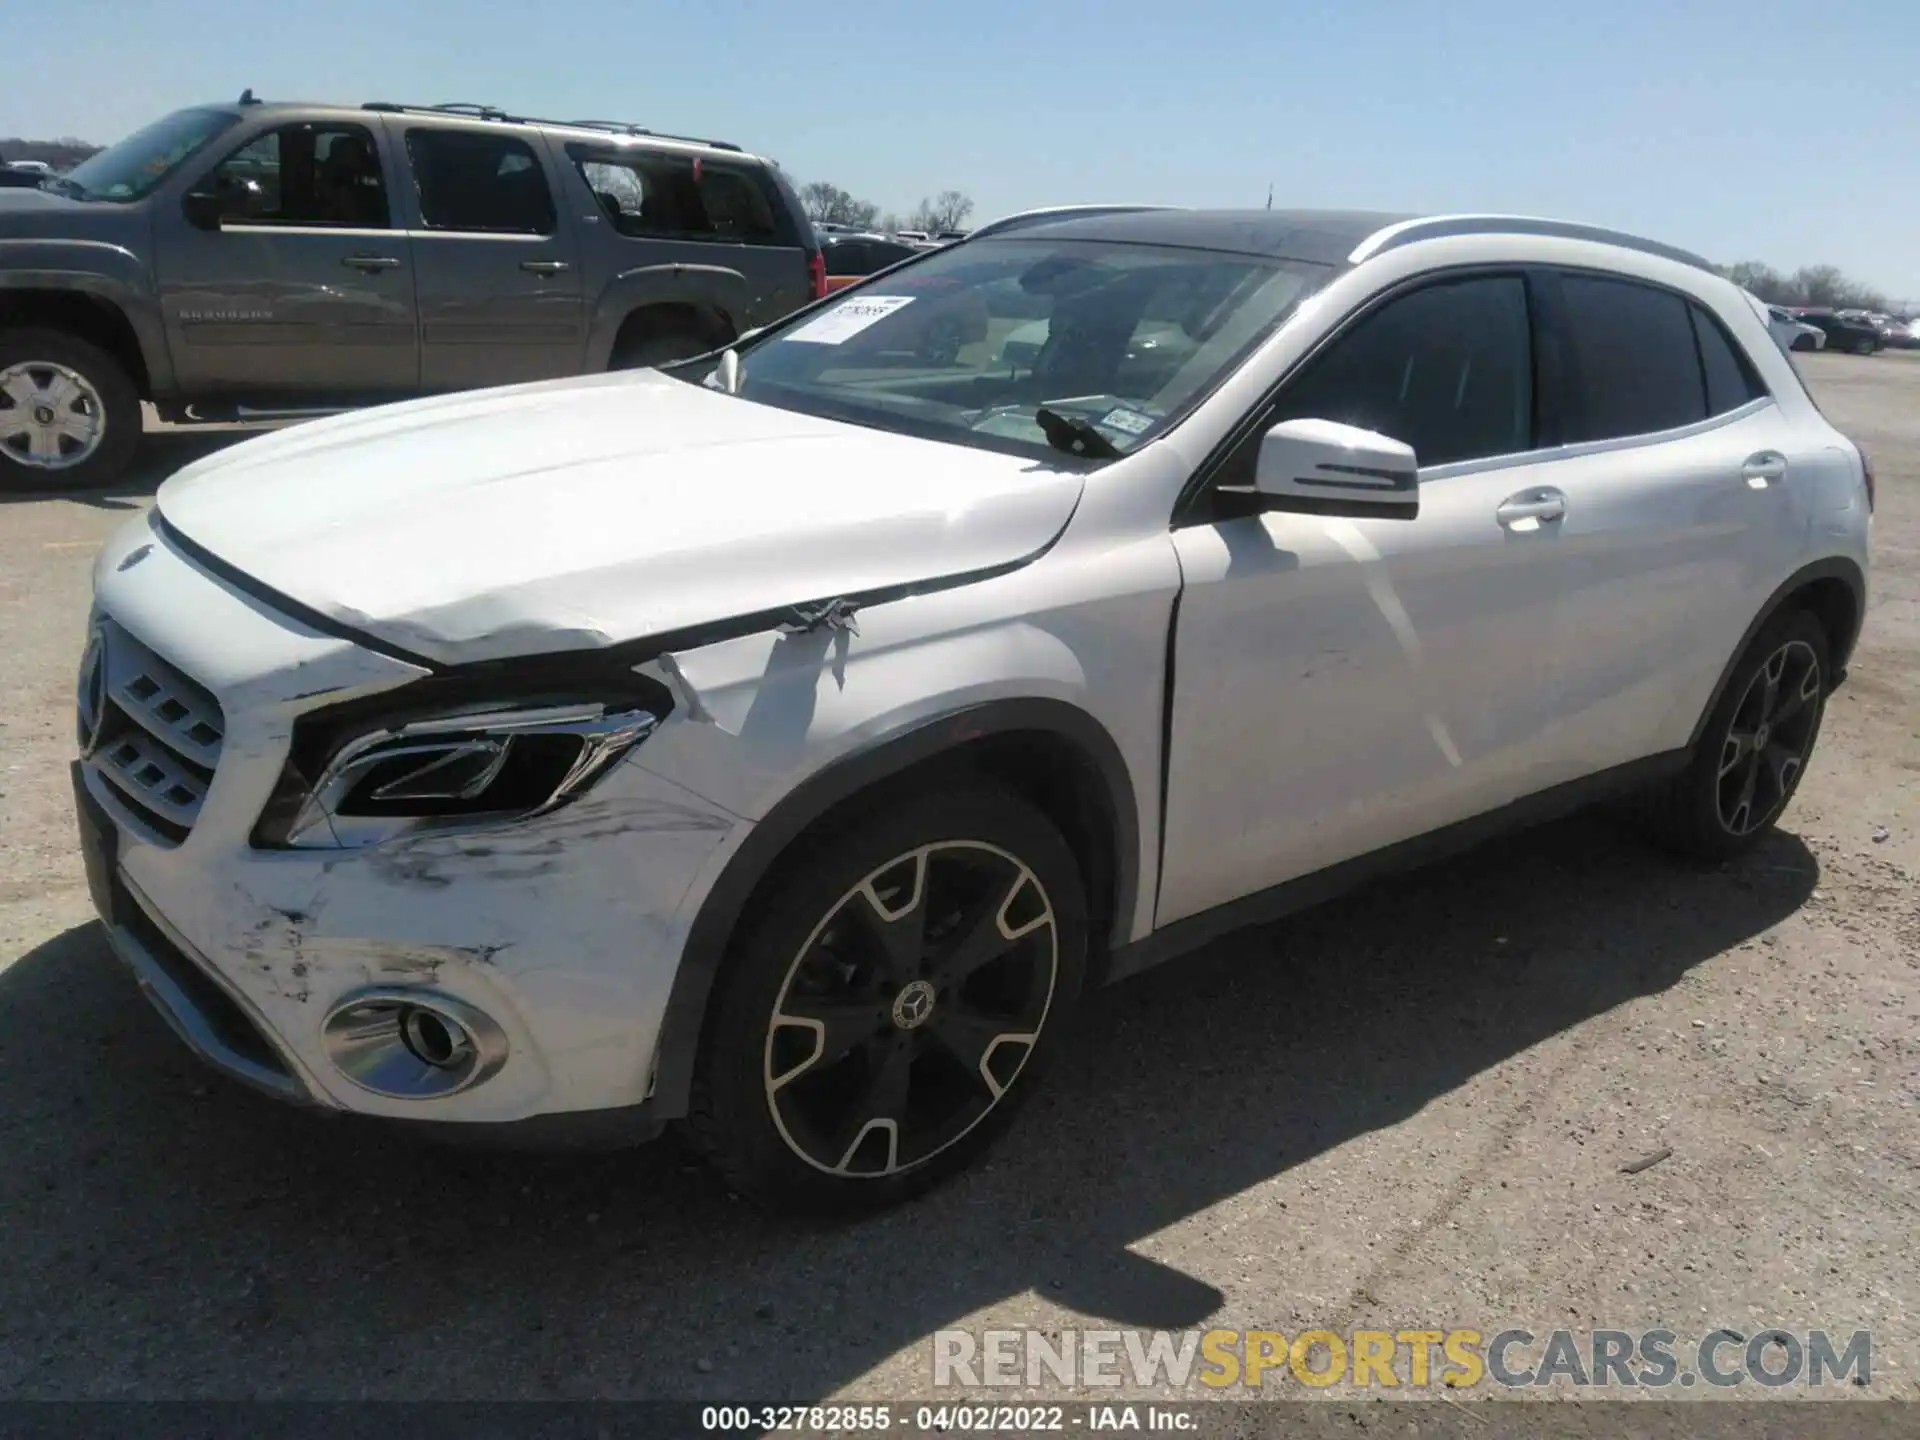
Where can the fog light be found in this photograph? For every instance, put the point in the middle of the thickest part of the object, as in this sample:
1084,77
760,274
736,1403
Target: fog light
412,1044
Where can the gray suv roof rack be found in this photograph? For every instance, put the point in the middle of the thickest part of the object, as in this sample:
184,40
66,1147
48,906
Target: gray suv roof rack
493,112
1440,227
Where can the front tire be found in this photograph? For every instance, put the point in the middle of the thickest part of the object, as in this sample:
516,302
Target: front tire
891,1001
1754,748
69,412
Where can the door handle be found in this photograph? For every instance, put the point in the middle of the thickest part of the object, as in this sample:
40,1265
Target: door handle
370,263
544,267
1537,506
1763,468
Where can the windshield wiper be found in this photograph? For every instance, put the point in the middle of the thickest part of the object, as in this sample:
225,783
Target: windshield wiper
61,185
1074,435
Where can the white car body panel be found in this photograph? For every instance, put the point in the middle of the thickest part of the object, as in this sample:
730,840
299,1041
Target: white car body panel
1337,685
480,526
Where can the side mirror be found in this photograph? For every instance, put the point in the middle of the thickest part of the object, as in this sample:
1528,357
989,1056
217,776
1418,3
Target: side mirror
227,200
1319,467
202,208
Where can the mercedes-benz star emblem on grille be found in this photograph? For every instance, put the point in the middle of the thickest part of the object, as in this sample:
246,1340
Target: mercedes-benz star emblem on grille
91,699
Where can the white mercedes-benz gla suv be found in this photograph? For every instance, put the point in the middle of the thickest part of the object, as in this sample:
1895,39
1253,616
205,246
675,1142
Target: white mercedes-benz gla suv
785,745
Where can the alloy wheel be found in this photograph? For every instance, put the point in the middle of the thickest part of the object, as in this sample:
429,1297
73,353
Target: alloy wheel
911,1009
1766,742
51,416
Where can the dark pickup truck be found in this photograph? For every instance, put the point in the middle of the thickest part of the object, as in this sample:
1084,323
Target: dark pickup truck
271,260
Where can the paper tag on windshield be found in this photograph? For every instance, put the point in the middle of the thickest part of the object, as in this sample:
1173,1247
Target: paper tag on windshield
1127,422
849,318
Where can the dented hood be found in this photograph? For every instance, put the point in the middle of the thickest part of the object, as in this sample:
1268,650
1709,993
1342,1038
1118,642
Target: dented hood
582,513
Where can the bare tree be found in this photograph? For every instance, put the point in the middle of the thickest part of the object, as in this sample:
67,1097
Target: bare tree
835,206
946,211
1825,286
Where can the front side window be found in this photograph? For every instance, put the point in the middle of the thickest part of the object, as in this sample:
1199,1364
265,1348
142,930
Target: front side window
669,195
1633,365
304,175
1030,346
487,184
1446,369
127,171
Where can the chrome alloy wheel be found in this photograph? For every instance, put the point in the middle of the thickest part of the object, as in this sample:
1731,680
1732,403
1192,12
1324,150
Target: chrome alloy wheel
1765,746
51,417
911,1009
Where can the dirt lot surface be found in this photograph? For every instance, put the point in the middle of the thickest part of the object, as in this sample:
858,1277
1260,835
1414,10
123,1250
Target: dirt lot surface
1410,1109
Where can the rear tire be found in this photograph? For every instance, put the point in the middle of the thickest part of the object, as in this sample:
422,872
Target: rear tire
1753,750
69,412
876,1026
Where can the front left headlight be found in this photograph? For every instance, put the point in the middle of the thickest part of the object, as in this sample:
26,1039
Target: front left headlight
467,769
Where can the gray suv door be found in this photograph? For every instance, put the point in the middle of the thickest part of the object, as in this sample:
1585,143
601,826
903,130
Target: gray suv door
304,286
498,276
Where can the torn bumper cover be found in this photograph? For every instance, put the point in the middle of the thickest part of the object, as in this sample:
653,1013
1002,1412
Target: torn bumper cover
527,964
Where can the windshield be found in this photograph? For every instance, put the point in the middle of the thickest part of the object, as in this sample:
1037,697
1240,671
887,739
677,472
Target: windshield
141,161
1030,345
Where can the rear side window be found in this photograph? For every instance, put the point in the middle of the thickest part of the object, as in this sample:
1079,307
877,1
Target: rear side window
667,195
1447,369
487,183
1731,381
1632,362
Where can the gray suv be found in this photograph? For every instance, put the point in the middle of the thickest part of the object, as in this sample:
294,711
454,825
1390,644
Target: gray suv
258,261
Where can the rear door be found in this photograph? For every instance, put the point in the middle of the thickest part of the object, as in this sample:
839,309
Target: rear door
306,287
1678,519
498,275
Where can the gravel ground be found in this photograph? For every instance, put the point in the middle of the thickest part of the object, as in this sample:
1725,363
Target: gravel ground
1409,1109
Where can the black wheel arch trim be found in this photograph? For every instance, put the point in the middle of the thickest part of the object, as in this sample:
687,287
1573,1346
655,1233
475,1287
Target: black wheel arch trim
1833,568
711,933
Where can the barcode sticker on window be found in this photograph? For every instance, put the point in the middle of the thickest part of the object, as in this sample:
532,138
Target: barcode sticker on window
849,318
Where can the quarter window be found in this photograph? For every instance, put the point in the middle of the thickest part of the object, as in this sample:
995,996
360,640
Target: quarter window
673,196
486,183
1731,381
304,175
1447,369
1633,364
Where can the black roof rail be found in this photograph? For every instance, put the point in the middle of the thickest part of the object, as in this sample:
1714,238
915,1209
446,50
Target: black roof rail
493,112
624,127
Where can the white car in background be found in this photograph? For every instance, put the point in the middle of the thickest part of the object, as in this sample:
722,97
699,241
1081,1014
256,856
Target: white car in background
1794,334
783,746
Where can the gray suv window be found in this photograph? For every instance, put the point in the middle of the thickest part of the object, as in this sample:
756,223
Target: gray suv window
1446,369
305,175
1632,361
491,184
673,196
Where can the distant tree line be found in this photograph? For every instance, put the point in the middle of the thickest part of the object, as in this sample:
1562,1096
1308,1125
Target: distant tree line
62,154
1824,286
949,210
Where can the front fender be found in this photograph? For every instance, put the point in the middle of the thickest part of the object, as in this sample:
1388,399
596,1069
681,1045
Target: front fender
702,287
104,271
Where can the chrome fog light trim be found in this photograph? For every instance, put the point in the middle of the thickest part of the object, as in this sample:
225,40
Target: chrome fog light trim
412,1044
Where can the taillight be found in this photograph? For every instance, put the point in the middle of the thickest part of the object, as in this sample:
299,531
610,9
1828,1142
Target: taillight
1866,473
817,273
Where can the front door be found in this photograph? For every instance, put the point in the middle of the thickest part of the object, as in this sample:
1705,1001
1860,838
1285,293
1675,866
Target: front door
1341,685
499,285
305,290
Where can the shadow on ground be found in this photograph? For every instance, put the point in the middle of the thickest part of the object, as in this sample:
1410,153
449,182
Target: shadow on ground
161,453
171,1234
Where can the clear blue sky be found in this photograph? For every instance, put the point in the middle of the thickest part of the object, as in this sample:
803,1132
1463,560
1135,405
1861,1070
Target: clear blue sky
1778,130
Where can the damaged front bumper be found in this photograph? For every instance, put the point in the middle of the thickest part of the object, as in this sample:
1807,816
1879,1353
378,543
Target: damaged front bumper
547,947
